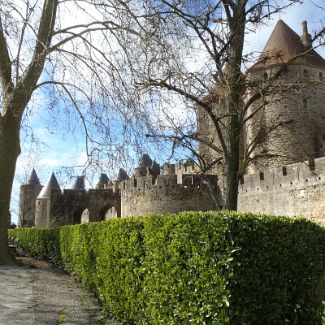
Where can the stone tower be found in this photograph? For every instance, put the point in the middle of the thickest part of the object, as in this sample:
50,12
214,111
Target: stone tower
79,184
211,150
28,195
103,181
49,204
289,121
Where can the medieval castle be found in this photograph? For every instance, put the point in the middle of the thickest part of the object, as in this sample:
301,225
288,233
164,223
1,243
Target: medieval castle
286,174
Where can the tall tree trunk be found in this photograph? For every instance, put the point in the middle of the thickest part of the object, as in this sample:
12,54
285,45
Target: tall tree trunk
15,100
9,152
233,102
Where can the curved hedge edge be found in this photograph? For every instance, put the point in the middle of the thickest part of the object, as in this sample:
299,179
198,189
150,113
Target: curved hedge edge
206,268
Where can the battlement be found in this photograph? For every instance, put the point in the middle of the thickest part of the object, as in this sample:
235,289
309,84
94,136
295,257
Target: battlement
172,191
296,189
147,179
294,175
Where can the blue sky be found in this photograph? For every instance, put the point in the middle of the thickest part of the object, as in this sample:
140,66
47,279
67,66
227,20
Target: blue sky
62,148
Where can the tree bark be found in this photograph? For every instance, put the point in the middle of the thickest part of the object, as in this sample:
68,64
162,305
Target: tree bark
9,152
236,25
15,100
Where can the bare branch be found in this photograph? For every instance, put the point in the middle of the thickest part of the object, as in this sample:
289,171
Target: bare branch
5,64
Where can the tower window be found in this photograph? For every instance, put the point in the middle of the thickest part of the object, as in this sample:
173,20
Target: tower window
284,171
305,103
261,176
321,77
265,76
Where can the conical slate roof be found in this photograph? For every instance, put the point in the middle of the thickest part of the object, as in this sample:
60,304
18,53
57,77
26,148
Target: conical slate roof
283,45
79,183
145,161
122,175
52,184
103,178
33,178
155,168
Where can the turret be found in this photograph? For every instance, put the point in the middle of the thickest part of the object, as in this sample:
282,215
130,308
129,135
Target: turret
155,169
144,166
122,175
49,204
103,181
28,195
79,183
306,37
287,124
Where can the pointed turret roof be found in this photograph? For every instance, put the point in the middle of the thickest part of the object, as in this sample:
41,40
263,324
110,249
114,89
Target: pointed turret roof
145,161
79,183
283,45
155,168
103,178
52,184
33,178
122,175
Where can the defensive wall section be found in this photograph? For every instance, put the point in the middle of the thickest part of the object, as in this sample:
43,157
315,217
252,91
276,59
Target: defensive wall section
170,192
293,190
297,189
95,201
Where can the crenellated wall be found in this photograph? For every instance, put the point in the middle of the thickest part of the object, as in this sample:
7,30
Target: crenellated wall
291,190
297,189
165,193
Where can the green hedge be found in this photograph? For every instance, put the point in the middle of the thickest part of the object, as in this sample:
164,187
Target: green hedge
194,268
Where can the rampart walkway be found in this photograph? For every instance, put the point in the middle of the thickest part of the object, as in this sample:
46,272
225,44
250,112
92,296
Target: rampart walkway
37,294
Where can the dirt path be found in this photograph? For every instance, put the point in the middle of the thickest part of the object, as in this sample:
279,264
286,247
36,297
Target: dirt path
36,294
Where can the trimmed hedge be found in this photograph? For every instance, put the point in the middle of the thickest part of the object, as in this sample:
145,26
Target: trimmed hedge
194,268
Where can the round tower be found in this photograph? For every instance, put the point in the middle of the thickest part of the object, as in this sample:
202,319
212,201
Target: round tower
27,199
144,166
49,204
79,183
103,181
211,150
287,124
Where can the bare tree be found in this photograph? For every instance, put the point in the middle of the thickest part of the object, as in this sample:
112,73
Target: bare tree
196,53
66,55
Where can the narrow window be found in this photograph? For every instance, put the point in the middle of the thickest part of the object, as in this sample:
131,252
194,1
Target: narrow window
284,170
135,183
265,76
305,102
321,78
261,176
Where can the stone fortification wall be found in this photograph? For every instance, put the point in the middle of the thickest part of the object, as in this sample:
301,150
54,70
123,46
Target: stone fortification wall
97,202
165,193
290,190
